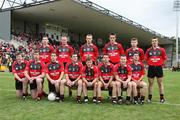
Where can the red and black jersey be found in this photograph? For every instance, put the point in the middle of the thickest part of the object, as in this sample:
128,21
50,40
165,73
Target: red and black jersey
156,57
45,53
74,70
138,70
88,50
130,53
19,68
64,53
90,73
114,51
54,69
122,71
105,71
35,68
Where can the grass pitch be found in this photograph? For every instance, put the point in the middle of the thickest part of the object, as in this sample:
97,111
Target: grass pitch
12,108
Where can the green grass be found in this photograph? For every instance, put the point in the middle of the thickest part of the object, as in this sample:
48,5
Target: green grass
12,108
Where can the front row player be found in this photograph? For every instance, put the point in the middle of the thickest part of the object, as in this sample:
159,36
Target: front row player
35,72
90,78
21,82
106,78
138,72
54,75
73,75
123,73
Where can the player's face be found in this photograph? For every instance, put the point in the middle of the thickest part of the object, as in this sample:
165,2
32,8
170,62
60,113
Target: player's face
53,57
155,42
123,60
112,38
45,41
74,58
136,57
36,56
19,58
89,63
134,43
89,39
106,58
64,40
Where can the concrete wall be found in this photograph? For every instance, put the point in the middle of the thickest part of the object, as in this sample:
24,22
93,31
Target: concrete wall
5,25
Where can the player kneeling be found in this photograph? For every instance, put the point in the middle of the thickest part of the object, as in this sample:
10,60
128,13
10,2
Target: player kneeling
73,75
21,81
90,77
106,78
123,74
54,74
35,72
138,72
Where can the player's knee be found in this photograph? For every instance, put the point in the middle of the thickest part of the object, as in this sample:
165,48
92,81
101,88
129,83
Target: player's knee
129,85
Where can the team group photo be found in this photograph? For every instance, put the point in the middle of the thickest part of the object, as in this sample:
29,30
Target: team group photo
89,59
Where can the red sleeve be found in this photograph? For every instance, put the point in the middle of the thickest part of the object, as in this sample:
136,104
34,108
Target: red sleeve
112,71
83,71
13,69
121,49
43,67
99,70
143,69
141,54
27,66
104,49
95,72
62,67
115,69
127,53
96,52
71,50
81,67
129,70
147,56
164,56
47,70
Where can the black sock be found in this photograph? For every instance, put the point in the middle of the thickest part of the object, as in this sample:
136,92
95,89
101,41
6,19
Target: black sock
94,97
127,97
142,98
135,98
139,95
119,97
150,97
78,97
62,97
161,96
110,92
58,94
85,97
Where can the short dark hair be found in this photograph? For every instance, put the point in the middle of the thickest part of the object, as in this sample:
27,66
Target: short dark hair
134,39
112,34
154,37
122,55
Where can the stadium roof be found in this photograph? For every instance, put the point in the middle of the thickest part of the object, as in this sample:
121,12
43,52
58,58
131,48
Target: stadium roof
83,16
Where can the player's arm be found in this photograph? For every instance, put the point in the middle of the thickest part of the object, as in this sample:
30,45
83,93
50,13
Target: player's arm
78,78
27,75
101,79
48,77
61,76
117,78
95,75
110,80
84,80
17,77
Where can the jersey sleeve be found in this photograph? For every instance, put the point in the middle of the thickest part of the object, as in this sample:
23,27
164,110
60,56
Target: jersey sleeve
83,72
141,54
13,68
27,66
66,68
143,69
95,72
43,67
115,69
164,56
62,67
129,70
147,55
121,49
96,52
